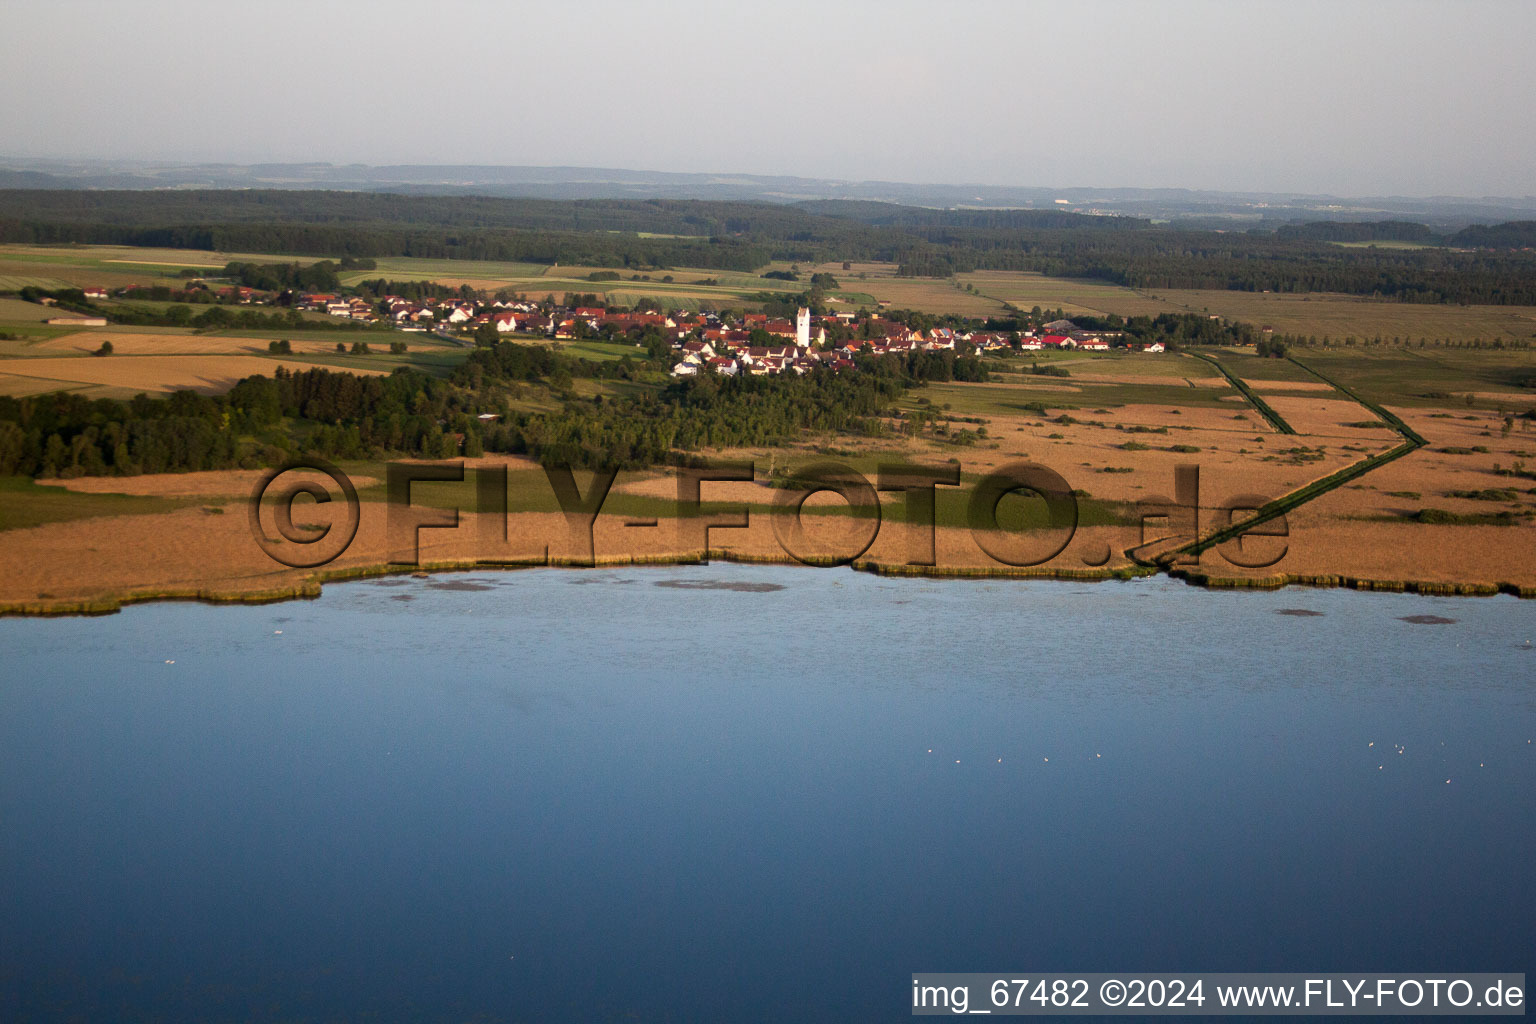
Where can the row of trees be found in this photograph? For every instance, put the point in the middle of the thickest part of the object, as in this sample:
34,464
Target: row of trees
1174,330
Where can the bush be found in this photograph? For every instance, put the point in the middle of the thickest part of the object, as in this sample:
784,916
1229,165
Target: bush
1441,516
1487,494
104,350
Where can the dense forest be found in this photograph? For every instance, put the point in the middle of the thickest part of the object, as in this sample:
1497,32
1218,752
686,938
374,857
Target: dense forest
1515,234
1359,231
264,421
1233,262
1480,265
261,421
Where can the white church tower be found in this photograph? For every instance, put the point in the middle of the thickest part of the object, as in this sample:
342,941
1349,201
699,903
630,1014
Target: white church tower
803,328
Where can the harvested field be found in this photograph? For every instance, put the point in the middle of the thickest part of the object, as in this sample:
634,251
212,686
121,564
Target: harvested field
1329,417
165,342
925,294
1193,381
1342,316
208,374
135,343
1514,399
20,387
20,312
1027,290
1269,386
928,295
1127,365
15,282
1197,417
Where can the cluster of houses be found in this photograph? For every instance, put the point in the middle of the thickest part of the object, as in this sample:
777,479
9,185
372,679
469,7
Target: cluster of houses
797,347
707,341
754,343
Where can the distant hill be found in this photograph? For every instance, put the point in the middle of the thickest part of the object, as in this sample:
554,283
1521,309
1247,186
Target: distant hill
1190,207
1515,234
891,215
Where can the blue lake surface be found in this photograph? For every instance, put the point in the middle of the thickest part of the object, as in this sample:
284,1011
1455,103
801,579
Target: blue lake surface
749,793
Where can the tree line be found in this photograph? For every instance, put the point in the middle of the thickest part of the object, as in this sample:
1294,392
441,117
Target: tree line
744,236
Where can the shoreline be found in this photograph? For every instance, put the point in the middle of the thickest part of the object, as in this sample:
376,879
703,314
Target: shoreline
311,588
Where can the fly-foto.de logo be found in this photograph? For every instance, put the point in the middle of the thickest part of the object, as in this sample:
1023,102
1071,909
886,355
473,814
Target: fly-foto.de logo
1047,514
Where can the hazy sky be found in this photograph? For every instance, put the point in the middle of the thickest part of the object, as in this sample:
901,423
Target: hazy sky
1350,97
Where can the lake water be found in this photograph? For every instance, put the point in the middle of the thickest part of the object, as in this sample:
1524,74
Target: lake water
749,793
